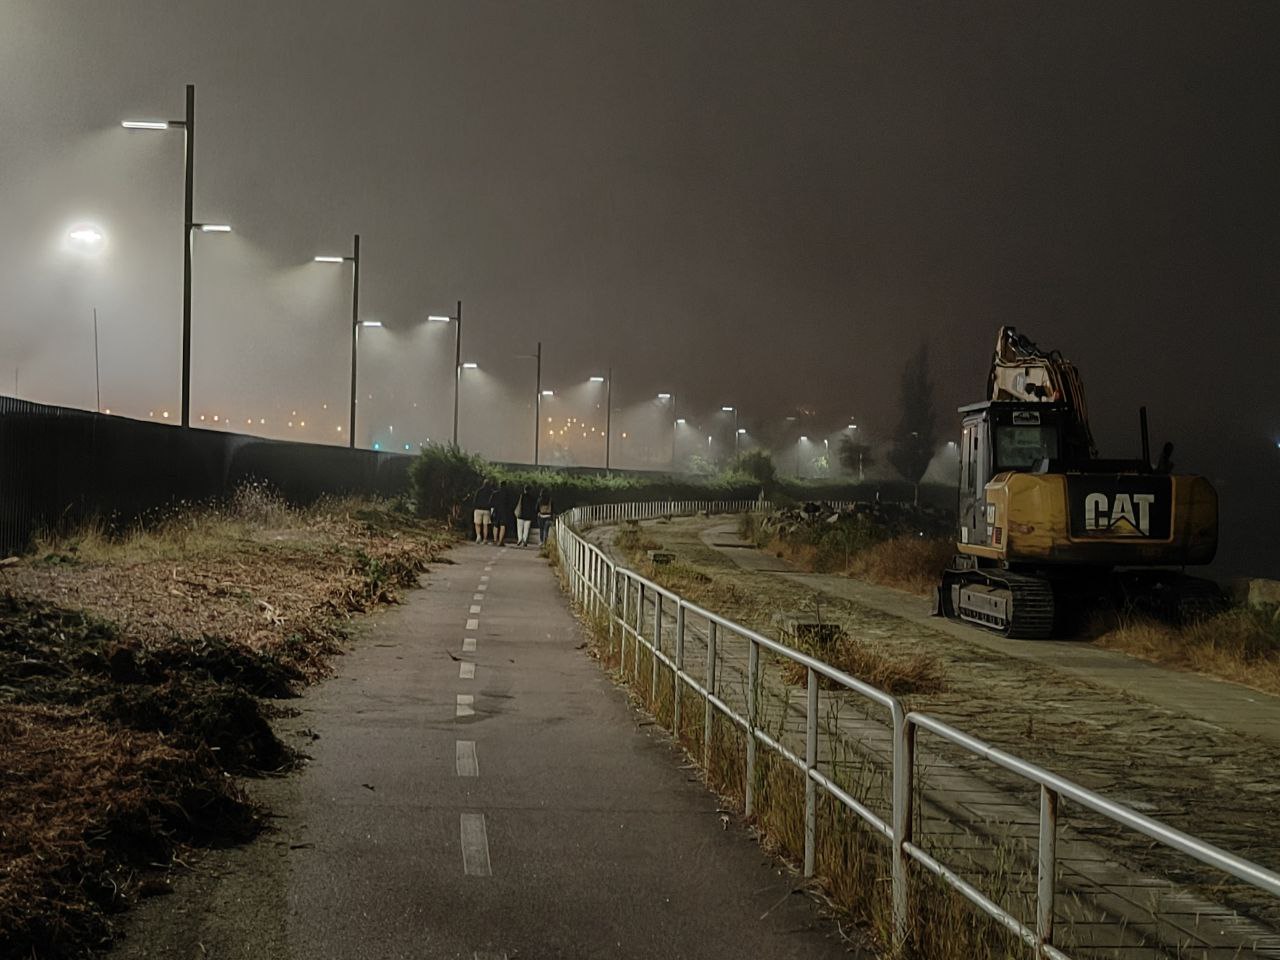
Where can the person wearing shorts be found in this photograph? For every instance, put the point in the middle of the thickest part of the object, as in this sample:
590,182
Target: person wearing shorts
480,514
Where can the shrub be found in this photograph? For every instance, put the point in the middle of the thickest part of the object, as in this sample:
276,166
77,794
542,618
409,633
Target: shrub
444,478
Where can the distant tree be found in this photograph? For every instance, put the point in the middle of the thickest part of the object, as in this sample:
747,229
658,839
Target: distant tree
854,455
913,448
758,465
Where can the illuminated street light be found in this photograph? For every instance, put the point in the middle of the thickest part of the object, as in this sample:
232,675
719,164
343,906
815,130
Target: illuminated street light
548,393
354,260
681,422
188,127
86,239
370,323
596,379
736,432
469,365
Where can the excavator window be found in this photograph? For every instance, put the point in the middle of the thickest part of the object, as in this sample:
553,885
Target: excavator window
1021,447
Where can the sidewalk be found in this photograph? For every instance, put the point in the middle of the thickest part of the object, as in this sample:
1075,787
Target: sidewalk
479,788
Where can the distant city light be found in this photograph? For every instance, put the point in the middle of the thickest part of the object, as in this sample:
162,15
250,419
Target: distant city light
145,124
165,414
377,446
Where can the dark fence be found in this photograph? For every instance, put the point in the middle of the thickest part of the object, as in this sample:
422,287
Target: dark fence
60,466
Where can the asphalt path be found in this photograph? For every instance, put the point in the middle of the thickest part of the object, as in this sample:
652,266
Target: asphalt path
478,788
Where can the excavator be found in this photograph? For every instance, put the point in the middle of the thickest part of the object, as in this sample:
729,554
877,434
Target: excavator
1047,531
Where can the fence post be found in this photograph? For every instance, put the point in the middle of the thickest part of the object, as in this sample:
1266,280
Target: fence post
712,629
657,645
622,627
635,649
753,672
904,740
1047,865
810,785
675,673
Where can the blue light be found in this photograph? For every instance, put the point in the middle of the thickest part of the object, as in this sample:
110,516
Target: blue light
377,447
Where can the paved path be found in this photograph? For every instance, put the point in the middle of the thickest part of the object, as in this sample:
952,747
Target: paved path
480,789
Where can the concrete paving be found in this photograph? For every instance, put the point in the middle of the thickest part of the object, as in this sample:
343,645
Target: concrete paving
479,788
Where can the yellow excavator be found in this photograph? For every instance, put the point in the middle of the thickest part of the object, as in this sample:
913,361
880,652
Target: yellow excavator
1047,530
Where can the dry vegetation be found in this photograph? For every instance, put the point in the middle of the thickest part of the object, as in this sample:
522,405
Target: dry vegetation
131,672
1241,644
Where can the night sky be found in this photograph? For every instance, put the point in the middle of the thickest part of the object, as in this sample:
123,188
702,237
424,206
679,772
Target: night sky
762,204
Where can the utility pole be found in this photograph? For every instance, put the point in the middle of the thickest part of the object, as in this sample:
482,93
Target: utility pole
188,238
457,370
537,407
608,418
97,376
355,334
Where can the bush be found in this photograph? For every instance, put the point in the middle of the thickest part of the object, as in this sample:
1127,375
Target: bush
444,479
758,465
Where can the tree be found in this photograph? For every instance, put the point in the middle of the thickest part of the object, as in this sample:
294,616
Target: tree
758,465
854,455
913,448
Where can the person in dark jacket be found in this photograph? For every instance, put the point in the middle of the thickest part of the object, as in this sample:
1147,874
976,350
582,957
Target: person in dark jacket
480,515
526,510
545,513
502,509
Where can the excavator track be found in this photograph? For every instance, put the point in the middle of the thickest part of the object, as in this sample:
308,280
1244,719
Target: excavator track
1010,604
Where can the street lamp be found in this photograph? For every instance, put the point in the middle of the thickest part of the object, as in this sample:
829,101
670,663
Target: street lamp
457,360
671,398
538,394
736,431
607,379
188,126
354,260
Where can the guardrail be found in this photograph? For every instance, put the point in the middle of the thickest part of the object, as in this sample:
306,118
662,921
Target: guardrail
600,585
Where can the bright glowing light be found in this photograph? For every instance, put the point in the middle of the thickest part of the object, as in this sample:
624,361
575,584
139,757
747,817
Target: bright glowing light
804,439
331,259
202,418
215,228
548,393
303,423
108,410
370,323
727,409
742,429
853,426
682,421
440,319
86,239
664,396
145,124
597,379
262,420
470,365
624,436
339,429
165,414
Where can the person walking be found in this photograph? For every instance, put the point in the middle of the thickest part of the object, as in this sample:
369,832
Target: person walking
545,512
480,514
501,509
526,510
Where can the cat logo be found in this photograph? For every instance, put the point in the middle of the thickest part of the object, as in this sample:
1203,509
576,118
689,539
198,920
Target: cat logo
1128,515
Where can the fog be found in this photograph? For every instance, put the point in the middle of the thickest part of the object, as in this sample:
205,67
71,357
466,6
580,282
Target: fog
767,205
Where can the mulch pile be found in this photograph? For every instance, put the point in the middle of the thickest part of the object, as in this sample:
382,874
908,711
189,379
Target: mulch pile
132,694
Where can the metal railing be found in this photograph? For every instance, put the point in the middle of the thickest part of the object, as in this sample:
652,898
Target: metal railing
601,586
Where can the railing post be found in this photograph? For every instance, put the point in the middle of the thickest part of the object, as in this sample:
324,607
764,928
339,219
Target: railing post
657,645
1047,865
712,629
622,628
675,673
903,771
753,673
810,785
635,649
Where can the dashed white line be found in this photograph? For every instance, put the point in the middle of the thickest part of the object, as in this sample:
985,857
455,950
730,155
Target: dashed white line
475,608
468,763
483,587
466,670
484,577
468,644
475,846
477,596
473,624
465,708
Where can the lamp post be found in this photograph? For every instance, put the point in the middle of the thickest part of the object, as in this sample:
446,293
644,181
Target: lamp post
538,394
671,398
354,260
188,126
457,360
607,380
734,411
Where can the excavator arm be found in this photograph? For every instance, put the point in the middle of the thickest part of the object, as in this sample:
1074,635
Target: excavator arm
1022,371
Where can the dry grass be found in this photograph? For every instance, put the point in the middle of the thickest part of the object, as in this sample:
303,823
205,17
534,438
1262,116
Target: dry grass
1241,645
914,564
130,671
898,675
